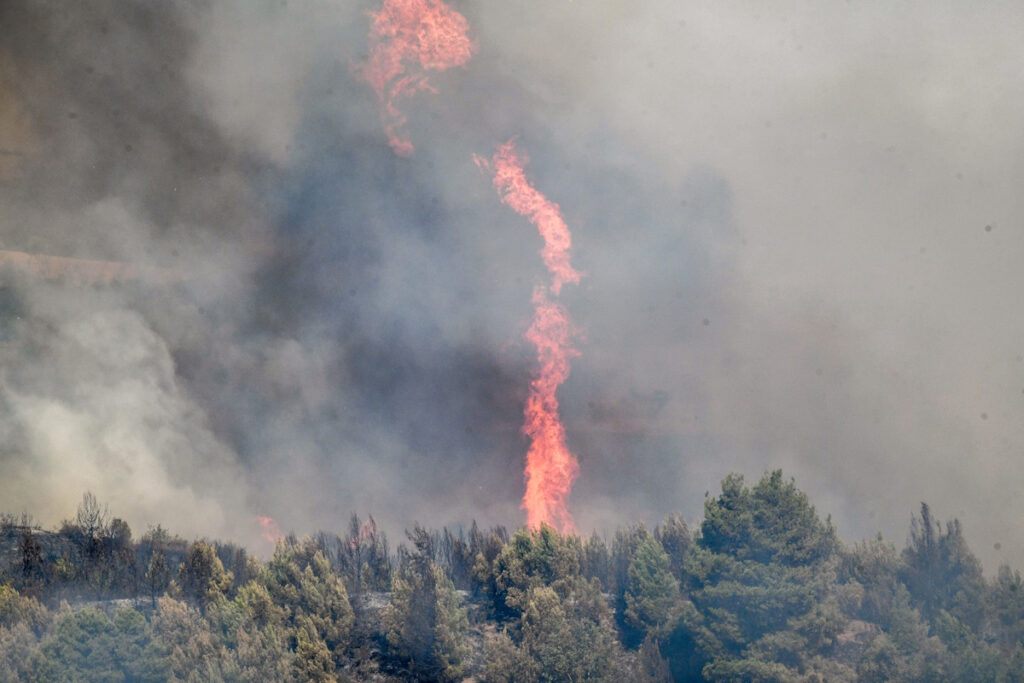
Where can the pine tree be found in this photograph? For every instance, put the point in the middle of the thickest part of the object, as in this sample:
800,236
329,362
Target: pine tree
652,590
424,622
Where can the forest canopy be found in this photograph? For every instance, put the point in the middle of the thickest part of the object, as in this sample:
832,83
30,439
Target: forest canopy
761,589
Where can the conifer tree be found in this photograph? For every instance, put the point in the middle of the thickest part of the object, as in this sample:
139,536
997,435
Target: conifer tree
652,591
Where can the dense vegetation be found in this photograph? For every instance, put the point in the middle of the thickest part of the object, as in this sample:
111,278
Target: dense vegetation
762,590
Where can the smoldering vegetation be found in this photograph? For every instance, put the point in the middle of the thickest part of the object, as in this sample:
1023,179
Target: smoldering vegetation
346,331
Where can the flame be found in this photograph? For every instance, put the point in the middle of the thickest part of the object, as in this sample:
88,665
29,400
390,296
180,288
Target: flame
271,532
367,530
550,465
409,38
517,192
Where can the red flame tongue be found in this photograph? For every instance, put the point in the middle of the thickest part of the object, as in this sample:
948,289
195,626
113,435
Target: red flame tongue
518,193
420,35
550,465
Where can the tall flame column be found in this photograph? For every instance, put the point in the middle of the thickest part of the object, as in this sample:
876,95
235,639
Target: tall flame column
550,465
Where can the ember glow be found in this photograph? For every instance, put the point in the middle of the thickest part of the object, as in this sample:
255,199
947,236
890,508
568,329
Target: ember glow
550,465
408,38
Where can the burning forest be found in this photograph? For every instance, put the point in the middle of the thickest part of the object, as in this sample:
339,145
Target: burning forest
546,277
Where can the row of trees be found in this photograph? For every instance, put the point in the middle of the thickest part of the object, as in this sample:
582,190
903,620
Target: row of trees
762,590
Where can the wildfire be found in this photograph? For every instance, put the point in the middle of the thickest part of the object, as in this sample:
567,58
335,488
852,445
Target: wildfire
271,532
408,38
550,465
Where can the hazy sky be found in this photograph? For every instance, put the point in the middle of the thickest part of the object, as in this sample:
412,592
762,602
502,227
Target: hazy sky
800,230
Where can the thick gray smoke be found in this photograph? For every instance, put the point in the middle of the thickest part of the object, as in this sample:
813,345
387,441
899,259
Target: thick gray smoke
797,230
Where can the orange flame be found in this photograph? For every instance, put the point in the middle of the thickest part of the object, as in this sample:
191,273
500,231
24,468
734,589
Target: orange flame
517,192
271,532
550,465
420,35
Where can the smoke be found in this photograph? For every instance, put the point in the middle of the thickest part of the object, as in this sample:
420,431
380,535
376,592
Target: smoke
97,407
118,175
782,218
